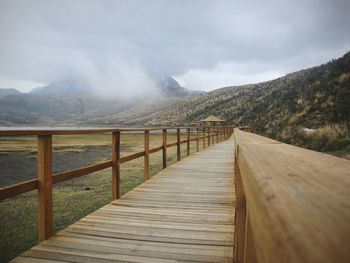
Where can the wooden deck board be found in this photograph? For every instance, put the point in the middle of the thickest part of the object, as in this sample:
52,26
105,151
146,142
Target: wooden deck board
185,213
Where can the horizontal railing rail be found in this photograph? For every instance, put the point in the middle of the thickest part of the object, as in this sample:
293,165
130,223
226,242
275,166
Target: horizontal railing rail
292,204
46,178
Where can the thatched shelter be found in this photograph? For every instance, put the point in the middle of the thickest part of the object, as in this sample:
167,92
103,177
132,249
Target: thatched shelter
211,121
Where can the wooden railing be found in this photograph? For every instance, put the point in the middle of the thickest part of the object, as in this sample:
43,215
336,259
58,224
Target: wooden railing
46,179
292,204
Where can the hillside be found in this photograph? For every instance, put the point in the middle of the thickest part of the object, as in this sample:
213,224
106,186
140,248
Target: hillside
315,99
309,108
7,92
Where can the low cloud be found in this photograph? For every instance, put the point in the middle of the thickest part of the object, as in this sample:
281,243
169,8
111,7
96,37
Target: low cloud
199,41
226,74
118,77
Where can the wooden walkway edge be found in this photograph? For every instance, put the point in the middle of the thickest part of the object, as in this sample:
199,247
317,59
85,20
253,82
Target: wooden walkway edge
185,213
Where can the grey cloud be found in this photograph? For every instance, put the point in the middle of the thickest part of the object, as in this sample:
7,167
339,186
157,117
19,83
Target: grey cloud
41,40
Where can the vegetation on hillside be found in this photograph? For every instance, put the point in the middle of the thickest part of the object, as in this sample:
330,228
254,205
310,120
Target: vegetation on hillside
309,108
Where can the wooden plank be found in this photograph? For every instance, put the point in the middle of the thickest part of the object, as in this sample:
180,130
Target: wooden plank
71,131
240,216
17,189
130,157
209,129
185,213
164,153
115,165
63,176
146,158
204,137
178,150
171,144
156,149
188,141
197,139
45,215
296,201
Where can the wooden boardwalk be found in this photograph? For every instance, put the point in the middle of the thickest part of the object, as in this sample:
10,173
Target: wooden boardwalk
185,213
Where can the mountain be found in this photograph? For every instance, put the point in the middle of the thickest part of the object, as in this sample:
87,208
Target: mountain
170,88
309,108
6,92
63,87
70,101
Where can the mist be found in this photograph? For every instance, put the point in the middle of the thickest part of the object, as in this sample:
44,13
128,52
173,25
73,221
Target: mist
127,46
118,77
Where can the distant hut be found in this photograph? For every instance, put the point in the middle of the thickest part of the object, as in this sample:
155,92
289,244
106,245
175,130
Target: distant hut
211,121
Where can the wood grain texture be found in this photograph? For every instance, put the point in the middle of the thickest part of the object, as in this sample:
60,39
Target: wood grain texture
297,200
178,145
115,165
17,189
185,213
164,152
64,176
146,158
45,215
197,139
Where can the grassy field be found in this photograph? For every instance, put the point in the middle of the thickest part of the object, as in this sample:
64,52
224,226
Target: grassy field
75,198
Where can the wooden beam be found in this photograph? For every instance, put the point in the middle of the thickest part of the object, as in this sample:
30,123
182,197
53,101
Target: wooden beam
115,165
156,149
240,215
130,157
204,137
208,136
64,176
146,159
197,141
296,202
171,144
17,189
45,187
164,148
213,135
188,141
178,149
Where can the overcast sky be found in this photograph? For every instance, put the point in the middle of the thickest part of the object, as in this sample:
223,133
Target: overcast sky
203,44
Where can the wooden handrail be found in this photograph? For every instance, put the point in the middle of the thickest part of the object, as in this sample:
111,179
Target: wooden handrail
46,179
292,204
17,189
64,176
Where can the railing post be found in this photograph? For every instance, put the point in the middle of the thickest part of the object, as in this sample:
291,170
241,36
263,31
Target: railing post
212,136
178,149
146,159
197,139
115,165
203,133
164,148
208,136
188,141
217,134
45,187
